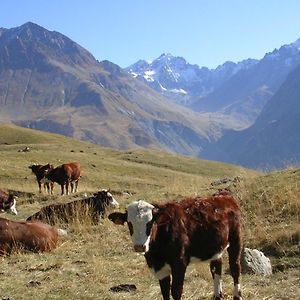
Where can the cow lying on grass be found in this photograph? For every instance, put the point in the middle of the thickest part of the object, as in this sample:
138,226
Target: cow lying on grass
173,234
8,203
33,236
93,207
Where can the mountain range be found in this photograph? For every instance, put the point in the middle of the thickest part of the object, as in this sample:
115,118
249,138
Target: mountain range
239,90
49,82
274,139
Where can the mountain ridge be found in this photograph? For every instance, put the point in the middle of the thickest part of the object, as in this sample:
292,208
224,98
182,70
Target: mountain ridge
49,82
273,141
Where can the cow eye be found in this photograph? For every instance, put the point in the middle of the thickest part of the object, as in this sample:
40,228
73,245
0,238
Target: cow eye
130,227
148,228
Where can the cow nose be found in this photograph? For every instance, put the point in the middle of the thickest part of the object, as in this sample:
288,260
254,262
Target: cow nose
139,248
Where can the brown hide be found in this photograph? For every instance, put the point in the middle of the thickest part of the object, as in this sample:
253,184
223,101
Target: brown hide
40,171
64,175
201,228
28,235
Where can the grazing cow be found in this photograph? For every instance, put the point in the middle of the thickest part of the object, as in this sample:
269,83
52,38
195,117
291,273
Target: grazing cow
39,171
33,236
65,175
8,203
176,233
94,207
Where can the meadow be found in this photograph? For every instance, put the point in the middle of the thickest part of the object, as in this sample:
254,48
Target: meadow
93,258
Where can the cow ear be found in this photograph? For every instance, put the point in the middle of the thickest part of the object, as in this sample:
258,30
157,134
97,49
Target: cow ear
118,218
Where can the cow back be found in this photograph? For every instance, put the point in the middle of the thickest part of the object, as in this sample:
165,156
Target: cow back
3,196
33,236
64,173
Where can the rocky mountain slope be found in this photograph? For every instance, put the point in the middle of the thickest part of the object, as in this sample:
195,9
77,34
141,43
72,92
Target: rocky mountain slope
246,93
274,140
181,81
239,90
49,82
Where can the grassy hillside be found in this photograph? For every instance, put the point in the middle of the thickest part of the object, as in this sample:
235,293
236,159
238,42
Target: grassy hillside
91,259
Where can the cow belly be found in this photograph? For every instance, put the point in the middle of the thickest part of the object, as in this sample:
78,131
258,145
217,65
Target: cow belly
165,271
216,256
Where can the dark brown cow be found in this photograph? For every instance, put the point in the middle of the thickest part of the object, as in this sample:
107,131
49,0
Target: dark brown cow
33,236
8,203
94,207
65,175
176,233
39,171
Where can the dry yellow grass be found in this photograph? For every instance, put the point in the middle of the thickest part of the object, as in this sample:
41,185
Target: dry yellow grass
91,259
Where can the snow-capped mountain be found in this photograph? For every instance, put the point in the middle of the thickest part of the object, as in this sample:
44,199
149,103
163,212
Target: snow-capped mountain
247,91
179,80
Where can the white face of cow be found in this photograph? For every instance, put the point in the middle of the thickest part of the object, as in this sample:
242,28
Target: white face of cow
113,203
139,217
11,207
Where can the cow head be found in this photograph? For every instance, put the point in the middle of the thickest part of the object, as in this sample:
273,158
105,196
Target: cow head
9,205
40,170
34,167
139,218
108,199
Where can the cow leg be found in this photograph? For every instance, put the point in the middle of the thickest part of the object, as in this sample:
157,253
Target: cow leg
234,253
62,189
72,187
165,284
67,187
46,187
40,186
216,272
76,186
178,273
51,184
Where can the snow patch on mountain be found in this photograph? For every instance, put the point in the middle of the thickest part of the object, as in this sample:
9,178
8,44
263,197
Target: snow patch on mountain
175,77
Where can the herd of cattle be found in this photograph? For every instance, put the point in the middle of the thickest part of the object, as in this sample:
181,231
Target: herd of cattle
65,175
171,235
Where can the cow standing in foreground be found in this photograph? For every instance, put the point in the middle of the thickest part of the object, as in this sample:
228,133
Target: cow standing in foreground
39,171
94,207
33,236
8,203
65,175
176,233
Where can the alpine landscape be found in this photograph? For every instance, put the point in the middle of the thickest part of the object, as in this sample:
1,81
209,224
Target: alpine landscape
159,130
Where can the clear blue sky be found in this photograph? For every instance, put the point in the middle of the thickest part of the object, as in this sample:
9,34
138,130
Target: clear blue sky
204,32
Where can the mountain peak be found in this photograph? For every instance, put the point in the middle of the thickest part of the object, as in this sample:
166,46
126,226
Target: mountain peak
165,55
31,28
31,25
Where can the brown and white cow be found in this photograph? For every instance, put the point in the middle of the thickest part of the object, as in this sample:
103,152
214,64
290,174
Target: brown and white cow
176,233
33,236
94,207
65,175
8,203
39,171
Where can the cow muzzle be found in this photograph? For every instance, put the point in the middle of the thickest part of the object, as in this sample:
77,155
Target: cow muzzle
139,248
